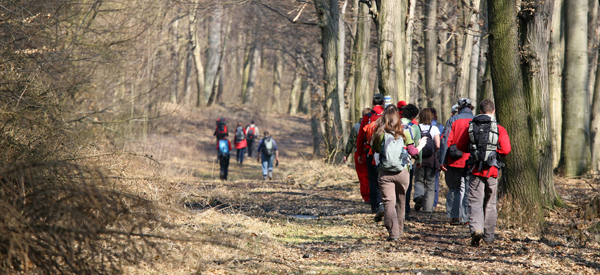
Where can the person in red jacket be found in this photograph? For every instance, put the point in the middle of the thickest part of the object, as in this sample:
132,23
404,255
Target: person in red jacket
240,143
362,148
483,177
453,162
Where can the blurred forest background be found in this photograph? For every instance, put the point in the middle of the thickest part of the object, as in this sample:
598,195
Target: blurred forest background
86,82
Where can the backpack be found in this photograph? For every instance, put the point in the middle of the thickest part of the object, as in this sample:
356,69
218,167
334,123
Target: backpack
429,148
483,142
251,133
223,147
221,126
372,117
393,156
267,147
239,134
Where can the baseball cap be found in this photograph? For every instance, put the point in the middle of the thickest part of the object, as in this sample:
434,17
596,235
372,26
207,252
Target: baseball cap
378,97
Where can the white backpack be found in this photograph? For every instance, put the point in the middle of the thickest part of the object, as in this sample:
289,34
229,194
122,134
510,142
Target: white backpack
393,156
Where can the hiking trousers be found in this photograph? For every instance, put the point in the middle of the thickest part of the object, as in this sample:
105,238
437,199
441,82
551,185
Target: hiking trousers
267,164
363,177
425,187
483,195
250,146
456,199
240,155
224,163
393,194
374,191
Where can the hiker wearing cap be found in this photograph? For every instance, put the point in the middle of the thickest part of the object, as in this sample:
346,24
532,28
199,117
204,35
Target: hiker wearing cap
361,170
267,152
486,141
251,135
453,162
365,158
409,113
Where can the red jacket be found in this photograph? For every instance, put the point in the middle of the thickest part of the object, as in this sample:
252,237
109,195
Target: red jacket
240,144
503,150
456,127
368,118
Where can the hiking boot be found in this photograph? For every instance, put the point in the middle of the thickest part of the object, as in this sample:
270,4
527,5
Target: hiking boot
455,221
270,175
265,177
390,239
380,213
476,238
418,203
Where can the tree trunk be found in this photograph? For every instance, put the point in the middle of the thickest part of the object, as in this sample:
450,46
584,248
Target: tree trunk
246,69
575,156
254,65
277,73
408,48
592,44
175,59
296,86
471,30
390,24
341,113
474,66
447,98
487,90
361,60
217,88
555,68
305,97
520,175
595,125
189,60
197,52
214,47
431,79
534,42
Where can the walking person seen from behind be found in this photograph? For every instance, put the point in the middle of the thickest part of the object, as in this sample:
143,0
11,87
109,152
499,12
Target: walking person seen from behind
395,147
486,141
223,147
267,152
251,135
240,143
425,175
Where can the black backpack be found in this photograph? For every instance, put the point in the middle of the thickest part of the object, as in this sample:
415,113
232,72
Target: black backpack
483,142
429,148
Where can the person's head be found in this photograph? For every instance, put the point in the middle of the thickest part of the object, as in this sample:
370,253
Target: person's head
426,116
223,136
487,107
366,111
454,109
410,111
434,112
251,121
464,102
378,99
239,124
389,122
267,134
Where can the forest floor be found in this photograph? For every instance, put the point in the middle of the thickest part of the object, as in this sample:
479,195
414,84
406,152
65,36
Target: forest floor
310,218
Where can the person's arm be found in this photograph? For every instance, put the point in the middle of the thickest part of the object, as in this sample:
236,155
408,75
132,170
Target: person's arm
276,151
360,139
260,144
229,145
417,133
351,143
436,138
376,147
504,146
444,142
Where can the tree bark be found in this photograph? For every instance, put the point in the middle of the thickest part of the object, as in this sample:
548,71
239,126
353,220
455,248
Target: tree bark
175,59
215,95
246,69
341,113
361,60
408,48
592,44
189,60
390,24
254,65
575,155
474,66
471,30
595,125
197,52
296,86
277,73
555,68
534,44
214,47
431,79
520,175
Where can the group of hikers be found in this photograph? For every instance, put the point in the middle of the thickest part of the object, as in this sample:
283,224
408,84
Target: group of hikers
392,148
244,138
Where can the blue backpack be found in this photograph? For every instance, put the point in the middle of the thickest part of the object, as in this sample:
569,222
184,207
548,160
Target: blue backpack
223,147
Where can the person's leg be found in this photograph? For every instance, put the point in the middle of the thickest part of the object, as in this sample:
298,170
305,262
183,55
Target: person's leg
242,155
374,191
453,177
363,177
464,205
419,185
250,145
265,165
490,214
429,178
222,167
476,195
408,191
437,189
271,166
225,167
401,182
388,196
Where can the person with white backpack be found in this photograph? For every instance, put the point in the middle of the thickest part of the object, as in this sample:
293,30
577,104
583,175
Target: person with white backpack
395,150
267,152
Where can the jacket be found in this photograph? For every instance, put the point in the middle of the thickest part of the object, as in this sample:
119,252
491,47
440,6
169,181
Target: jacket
456,127
240,144
366,119
503,149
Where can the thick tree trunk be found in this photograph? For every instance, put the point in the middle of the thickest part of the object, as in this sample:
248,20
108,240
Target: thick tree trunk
361,60
341,113
254,65
592,44
555,67
246,69
217,88
520,175
277,74
390,24
214,47
305,97
471,30
431,80
536,26
296,86
487,90
575,155
595,125
197,52
474,66
447,98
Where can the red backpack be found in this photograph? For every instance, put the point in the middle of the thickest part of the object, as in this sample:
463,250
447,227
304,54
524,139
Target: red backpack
221,126
251,133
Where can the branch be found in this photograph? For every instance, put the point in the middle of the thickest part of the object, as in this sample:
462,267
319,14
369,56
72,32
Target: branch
293,21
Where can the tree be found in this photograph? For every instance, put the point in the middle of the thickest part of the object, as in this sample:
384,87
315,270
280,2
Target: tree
521,181
277,74
361,60
431,81
462,82
575,155
214,47
595,125
555,67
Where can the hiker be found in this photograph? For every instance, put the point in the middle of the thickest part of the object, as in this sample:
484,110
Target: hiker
409,112
453,162
221,128
251,135
435,123
267,150
424,195
395,147
361,170
486,141
223,147
400,105
365,157
240,143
